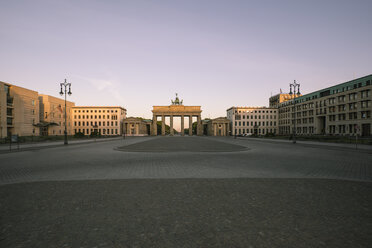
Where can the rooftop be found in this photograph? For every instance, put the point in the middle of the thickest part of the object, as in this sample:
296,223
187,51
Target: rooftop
349,85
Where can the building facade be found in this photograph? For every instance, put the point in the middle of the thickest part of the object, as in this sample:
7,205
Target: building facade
253,120
343,109
52,119
135,126
277,99
104,120
19,111
217,127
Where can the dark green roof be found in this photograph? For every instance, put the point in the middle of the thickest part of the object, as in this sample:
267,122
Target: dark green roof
353,84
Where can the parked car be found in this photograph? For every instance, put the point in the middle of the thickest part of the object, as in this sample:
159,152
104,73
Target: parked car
247,134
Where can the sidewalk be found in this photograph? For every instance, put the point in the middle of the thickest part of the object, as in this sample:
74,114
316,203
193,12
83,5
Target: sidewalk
315,143
4,148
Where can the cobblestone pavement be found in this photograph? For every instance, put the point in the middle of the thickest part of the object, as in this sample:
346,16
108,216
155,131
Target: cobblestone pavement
187,213
6,148
186,192
224,158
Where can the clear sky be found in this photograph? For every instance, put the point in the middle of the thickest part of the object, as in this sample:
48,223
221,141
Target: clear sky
216,54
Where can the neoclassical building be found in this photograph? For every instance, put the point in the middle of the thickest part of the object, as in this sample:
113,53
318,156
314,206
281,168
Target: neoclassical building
135,126
253,120
218,127
105,120
176,109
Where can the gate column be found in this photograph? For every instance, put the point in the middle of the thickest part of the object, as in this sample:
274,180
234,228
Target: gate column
154,126
190,125
163,125
182,125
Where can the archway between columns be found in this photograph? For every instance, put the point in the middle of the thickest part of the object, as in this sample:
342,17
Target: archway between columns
186,113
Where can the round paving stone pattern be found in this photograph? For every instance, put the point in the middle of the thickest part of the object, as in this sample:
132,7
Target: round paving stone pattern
182,144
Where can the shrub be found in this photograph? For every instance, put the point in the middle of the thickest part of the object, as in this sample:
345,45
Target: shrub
79,135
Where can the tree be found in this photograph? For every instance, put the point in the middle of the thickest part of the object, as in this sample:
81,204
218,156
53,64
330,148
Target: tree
167,128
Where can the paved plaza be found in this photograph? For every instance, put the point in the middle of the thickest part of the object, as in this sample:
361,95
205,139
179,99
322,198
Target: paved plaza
186,192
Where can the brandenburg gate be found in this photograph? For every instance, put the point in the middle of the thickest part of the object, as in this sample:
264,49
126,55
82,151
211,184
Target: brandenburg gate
177,109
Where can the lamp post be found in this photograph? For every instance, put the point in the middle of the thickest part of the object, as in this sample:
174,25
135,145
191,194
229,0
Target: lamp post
65,85
295,87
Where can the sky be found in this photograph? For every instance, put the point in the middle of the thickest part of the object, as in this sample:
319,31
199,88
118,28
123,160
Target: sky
214,54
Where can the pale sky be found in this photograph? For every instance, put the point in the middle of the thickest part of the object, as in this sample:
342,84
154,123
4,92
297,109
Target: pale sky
215,54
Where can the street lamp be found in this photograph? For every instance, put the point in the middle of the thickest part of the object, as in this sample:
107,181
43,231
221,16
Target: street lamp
65,85
295,87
